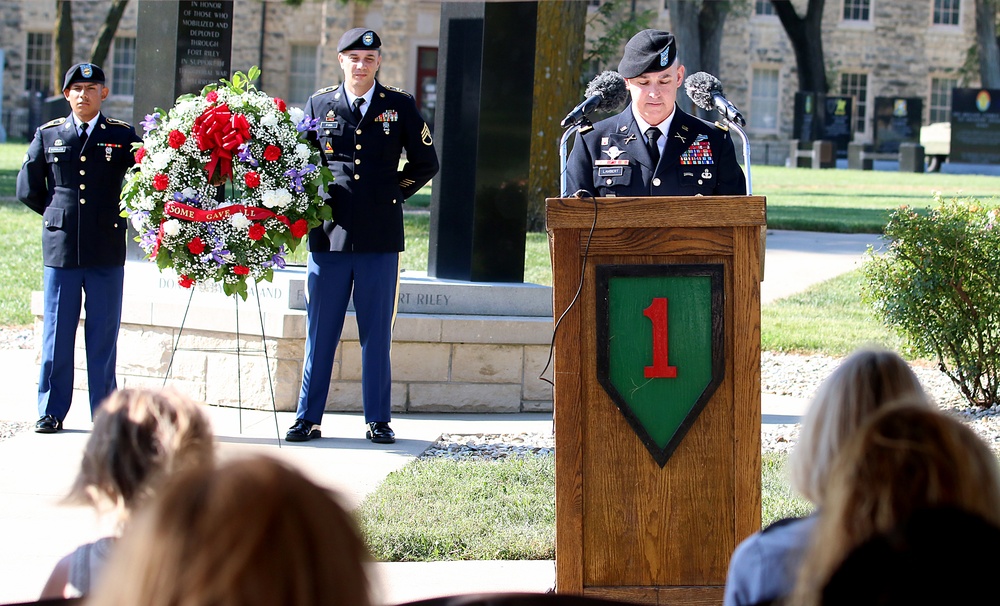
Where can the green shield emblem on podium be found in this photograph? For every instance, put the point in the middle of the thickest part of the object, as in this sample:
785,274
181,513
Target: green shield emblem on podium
660,353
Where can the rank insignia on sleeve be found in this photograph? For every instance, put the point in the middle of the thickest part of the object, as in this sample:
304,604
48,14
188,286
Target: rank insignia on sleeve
425,135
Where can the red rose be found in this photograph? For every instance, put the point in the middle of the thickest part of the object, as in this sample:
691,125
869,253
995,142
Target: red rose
176,139
272,153
160,182
284,220
281,105
140,154
300,228
252,179
212,97
257,231
185,281
241,270
196,246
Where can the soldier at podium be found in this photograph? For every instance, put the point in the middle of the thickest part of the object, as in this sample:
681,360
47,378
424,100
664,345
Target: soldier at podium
653,148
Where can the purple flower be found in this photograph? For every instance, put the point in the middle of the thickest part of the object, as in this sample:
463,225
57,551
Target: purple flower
244,155
152,122
296,177
307,123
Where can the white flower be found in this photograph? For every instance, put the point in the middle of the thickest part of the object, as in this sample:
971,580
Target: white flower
189,193
302,152
138,220
269,120
276,198
296,114
239,221
171,227
159,160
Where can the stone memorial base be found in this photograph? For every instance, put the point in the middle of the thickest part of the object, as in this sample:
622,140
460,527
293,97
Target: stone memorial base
457,346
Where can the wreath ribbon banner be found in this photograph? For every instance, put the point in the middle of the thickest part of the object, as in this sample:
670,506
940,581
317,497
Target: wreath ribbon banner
190,213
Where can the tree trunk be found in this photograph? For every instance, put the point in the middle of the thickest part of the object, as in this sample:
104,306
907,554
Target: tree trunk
684,15
710,26
559,48
986,37
102,44
64,42
806,36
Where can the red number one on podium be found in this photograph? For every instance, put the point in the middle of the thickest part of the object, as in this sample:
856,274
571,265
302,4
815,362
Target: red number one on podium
661,368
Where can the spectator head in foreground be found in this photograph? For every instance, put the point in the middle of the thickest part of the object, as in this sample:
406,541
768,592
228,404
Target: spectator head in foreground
140,437
250,532
904,460
865,381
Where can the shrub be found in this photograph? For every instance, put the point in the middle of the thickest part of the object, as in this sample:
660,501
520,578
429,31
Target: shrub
937,284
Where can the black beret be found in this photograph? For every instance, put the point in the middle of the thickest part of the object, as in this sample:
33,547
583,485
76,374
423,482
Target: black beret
83,72
359,38
651,50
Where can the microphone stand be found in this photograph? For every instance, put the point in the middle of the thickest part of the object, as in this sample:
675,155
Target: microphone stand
746,150
583,126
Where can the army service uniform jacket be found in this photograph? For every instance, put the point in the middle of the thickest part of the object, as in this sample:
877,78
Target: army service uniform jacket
698,159
77,191
369,187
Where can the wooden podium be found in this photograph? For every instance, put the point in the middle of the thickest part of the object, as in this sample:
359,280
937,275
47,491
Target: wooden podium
639,517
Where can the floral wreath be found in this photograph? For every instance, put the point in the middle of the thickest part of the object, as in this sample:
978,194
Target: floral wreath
233,134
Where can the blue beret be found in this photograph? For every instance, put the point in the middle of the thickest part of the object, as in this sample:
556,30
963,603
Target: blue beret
650,50
359,38
83,72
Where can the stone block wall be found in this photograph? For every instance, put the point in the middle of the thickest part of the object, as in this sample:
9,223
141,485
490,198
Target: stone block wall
440,363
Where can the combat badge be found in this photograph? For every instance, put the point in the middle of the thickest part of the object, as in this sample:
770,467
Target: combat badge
425,135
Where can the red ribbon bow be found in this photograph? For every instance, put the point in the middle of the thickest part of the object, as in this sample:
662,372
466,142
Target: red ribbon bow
219,131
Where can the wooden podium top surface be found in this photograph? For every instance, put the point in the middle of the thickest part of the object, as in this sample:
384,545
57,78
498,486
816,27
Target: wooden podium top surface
674,211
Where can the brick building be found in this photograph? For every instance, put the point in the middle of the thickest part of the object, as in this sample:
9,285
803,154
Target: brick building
912,48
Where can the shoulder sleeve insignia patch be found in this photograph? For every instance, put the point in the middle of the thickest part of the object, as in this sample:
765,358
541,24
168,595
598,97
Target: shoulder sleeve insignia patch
52,123
425,135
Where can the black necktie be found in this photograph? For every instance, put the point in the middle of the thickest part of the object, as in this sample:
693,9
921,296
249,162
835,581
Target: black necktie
83,134
654,150
356,109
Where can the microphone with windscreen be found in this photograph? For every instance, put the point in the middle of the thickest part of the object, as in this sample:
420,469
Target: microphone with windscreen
705,90
606,92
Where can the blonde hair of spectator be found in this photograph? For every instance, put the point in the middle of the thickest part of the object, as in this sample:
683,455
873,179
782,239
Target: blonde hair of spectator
251,532
906,458
140,436
864,382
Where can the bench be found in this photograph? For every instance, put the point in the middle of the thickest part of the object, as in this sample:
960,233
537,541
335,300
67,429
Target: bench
861,156
812,154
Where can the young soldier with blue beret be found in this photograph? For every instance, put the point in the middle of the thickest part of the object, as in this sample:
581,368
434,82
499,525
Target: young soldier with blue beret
72,176
363,130
653,148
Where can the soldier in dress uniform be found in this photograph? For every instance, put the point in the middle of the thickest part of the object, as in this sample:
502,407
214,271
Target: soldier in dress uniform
653,148
363,129
72,175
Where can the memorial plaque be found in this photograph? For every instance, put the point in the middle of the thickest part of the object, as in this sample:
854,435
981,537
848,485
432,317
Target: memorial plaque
897,120
975,125
204,44
823,117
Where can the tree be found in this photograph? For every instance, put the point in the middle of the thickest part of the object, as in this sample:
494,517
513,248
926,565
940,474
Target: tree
805,34
65,38
987,43
697,25
559,44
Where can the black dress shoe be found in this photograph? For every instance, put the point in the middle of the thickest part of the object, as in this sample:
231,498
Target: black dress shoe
380,433
48,424
303,431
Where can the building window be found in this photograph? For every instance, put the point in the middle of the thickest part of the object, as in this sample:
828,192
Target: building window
302,75
38,63
763,7
857,10
123,67
946,12
764,100
857,85
426,94
940,106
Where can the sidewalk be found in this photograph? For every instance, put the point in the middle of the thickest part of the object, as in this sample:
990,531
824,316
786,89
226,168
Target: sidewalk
37,470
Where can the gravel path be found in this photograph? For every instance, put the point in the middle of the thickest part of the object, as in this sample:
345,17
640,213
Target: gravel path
782,374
